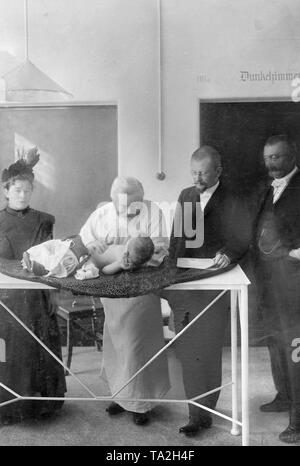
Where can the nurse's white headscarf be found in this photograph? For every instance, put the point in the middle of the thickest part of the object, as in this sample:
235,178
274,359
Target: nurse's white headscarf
128,185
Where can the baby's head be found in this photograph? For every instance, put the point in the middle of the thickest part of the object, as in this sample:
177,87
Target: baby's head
139,251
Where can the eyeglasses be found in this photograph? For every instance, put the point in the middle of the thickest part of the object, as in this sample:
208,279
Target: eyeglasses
276,156
200,173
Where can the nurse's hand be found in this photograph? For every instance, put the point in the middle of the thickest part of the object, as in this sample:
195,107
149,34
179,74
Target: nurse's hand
221,260
97,247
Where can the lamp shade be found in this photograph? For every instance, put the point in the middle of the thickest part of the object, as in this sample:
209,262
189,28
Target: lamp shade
27,83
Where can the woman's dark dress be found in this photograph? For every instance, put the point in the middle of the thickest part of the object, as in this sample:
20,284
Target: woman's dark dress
25,366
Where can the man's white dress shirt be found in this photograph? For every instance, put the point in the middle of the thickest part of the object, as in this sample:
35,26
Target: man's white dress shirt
206,195
279,185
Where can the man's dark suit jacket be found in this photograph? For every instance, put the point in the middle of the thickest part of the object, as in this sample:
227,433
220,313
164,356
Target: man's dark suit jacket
286,213
227,226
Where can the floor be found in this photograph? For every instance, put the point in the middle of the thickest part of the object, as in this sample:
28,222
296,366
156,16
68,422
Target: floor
87,423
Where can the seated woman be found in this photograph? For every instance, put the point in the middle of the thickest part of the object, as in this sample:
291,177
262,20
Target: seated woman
61,258
26,367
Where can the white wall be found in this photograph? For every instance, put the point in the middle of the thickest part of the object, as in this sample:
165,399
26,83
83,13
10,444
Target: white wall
215,40
107,50
99,50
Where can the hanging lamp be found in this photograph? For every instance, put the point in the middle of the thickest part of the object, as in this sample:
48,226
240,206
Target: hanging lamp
27,83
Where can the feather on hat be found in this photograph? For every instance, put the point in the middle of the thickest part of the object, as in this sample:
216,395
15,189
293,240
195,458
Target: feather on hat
23,166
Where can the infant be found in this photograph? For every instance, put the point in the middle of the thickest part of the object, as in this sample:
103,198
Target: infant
62,258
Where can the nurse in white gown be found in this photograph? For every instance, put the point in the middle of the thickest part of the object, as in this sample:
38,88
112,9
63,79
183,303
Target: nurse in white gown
133,329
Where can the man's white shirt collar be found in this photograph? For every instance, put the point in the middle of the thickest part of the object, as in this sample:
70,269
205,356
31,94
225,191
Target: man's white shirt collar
279,184
206,195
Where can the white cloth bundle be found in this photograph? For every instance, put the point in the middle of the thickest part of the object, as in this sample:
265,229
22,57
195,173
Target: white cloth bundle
55,255
88,270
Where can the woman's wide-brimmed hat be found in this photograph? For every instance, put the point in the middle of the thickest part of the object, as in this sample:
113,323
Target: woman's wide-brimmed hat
22,167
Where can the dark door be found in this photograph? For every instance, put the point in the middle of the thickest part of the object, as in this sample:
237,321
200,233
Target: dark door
238,130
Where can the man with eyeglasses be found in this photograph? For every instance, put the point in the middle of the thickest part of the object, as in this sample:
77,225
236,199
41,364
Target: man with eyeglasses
225,239
277,246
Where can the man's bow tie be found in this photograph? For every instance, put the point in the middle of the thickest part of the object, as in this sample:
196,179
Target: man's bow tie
277,183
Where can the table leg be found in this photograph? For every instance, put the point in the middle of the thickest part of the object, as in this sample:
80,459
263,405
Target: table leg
243,307
95,324
235,430
69,344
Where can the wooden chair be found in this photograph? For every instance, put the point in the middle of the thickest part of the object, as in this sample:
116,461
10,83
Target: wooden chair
74,308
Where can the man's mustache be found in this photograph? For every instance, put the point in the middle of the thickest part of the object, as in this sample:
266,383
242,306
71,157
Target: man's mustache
274,169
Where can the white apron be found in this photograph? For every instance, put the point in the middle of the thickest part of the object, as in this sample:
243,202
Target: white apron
133,328
133,333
